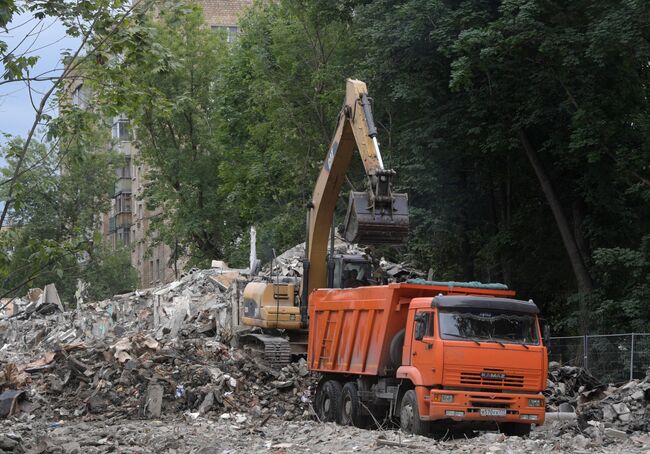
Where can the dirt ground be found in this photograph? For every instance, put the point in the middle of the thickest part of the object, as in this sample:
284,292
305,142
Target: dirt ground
223,436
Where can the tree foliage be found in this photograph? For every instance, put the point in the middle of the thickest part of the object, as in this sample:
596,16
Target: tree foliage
519,129
52,234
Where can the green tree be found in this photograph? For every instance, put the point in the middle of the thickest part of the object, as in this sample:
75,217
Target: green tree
48,216
52,235
284,85
168,87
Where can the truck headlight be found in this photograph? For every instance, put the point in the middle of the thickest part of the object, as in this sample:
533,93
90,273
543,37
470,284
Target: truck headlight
454,413
446,397
529,417
534,402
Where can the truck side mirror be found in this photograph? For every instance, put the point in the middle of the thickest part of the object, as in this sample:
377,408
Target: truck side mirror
546,334
420,326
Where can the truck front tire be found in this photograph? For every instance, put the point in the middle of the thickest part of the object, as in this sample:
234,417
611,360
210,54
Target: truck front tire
409,415
351,411
328,400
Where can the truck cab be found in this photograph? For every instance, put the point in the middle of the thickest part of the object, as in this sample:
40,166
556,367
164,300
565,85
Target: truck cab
474,359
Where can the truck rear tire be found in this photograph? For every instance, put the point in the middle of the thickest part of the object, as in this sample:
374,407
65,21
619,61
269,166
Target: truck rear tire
351,411
328,401
515,429
409,415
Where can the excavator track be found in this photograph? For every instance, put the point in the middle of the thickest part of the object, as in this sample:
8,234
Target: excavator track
276,350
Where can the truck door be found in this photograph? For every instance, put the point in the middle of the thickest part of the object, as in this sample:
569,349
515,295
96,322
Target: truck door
422,345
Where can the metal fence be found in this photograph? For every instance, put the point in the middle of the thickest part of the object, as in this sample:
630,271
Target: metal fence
611,358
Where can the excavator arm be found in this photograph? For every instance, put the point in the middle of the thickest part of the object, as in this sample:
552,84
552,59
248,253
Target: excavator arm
376,216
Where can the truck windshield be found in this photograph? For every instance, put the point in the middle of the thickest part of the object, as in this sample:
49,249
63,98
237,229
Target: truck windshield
480,325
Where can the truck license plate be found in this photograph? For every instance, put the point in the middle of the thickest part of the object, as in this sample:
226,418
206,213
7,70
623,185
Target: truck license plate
493,411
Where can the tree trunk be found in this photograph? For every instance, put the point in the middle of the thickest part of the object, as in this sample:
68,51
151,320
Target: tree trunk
578,207
583,279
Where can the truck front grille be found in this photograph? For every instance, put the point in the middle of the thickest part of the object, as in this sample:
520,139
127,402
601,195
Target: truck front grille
491,378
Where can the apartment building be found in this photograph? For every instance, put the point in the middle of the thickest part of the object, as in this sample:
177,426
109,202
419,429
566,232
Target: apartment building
128,222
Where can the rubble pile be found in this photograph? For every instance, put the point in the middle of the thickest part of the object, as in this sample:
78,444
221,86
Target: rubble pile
565,385
148,353
171,351
602,410
289,263
626,407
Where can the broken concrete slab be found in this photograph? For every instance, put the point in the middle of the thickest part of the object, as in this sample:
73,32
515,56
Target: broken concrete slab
615,433
154,398
9,402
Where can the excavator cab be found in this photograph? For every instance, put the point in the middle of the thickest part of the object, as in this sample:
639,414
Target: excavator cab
349,271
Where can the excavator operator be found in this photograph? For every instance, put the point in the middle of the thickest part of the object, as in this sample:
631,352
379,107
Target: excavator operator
351,280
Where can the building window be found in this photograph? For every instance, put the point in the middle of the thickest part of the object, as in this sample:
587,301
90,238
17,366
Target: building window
231,32
121,129
123,237
123,172
123,203
78,97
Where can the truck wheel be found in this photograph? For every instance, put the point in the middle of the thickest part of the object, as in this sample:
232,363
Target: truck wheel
328,400
351,411
409,415
515,429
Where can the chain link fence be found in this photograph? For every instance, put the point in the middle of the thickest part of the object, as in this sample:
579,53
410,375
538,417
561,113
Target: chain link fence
611,358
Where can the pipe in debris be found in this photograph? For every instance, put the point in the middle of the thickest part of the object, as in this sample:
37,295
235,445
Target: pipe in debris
560,416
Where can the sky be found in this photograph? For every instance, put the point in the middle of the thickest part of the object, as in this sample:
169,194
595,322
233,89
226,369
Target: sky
47,39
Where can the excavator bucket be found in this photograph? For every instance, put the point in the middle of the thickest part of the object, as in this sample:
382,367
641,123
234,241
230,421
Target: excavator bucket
370,222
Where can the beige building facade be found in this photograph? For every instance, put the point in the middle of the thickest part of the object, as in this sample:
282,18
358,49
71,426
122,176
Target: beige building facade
128,222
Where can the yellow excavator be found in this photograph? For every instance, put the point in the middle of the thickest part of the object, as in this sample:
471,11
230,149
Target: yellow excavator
375,216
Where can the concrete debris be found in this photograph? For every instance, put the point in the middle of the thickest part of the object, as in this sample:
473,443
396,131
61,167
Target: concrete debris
197,434
36,301
163,362
565,386
153,404
153,353
289,263
602,410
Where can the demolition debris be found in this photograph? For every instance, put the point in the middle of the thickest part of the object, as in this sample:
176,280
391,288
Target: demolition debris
146,354
170,353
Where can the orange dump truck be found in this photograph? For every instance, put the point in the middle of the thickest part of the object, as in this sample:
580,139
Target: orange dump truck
433,355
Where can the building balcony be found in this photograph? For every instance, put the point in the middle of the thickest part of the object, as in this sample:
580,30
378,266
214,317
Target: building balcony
121,203
121,221
122,186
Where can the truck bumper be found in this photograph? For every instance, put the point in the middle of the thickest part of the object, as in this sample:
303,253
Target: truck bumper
485,406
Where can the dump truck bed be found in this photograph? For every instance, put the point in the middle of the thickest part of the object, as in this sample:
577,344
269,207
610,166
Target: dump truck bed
351,329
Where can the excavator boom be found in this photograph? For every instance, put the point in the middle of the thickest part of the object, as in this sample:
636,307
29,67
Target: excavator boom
375,216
